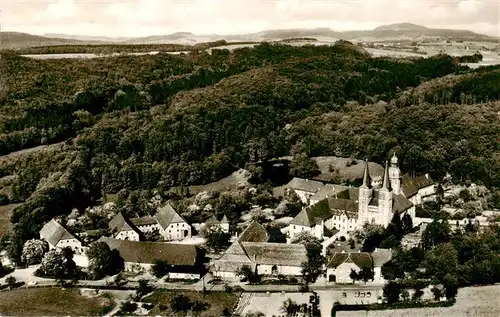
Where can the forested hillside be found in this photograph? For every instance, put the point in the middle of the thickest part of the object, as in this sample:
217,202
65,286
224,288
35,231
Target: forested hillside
147,122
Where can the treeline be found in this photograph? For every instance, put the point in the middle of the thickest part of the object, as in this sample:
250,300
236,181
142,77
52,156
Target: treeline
105,49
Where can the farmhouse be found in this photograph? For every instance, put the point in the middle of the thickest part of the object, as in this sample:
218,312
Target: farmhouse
59,237
340,265
264,258
183,258
348,208
122,229
170,225
304,188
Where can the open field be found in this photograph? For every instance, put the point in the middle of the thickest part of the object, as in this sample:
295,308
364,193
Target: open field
471,302
218,301
270,304
5,212
51,302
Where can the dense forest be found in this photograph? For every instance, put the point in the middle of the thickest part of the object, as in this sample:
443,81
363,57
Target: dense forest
158,121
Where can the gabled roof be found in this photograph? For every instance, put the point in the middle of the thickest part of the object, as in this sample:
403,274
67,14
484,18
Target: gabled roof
147,252
303,219
255,232
143,221
233,259
119,224
381,256
305,185
327,191
54,232
410,186
167,215
224,220
360,259
275,253
400,204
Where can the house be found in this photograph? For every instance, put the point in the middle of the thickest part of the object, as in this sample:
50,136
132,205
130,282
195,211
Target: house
263,258
184,259
418,189
170,225
213,224
59,237
251,248
350,208
123,229
340,265
304,188
173,226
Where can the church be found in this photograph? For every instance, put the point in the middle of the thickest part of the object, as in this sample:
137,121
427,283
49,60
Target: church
347,209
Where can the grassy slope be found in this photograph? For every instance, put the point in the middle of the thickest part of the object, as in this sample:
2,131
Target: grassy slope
5,212
50,302
471,301
217,300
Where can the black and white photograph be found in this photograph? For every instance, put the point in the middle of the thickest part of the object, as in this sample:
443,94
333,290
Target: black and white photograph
250,158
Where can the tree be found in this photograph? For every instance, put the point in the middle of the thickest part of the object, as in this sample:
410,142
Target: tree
180,304
450,284
392,291
289,307
53,264
160,268
353,275
103,261
11,281
303,166
218,240
143,289
407,223
199,307
34,250
438,231
311,268
405,295
352,243
441,260
153,235
437,292
247,274
366,274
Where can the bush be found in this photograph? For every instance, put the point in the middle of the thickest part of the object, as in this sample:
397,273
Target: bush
128,307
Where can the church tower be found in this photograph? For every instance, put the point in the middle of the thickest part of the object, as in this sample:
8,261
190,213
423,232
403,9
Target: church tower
385,200
365,196
395,175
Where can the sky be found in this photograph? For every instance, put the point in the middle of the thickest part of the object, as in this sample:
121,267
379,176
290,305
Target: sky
130,18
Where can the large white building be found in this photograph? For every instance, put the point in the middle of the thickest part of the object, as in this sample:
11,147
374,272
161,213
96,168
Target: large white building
340,264
349,208
264,258
170,225
59,237
183,259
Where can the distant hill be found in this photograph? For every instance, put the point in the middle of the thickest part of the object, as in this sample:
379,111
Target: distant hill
397,31
88,38
14,40
401,27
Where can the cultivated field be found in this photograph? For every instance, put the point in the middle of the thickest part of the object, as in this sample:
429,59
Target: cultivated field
52,302
471,302
218,301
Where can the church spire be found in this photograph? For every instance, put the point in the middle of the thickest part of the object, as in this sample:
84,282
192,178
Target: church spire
385,184
366,176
